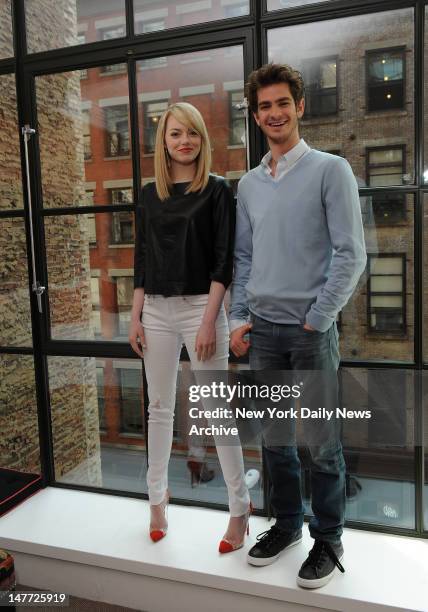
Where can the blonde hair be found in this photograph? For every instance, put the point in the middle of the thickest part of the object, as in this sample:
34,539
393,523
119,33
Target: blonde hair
189,116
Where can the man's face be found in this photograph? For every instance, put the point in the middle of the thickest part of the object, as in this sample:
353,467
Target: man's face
277,114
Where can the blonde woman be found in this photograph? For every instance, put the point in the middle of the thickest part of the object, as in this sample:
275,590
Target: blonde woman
185,227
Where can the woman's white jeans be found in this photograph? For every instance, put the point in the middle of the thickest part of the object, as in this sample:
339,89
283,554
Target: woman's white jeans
168,322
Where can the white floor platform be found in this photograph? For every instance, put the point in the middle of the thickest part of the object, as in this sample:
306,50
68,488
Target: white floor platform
97,546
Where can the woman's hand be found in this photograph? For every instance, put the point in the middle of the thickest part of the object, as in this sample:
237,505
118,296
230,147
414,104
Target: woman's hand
136,337
205,343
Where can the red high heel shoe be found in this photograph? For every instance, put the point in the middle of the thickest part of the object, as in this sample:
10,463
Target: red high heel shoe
158,534
225,546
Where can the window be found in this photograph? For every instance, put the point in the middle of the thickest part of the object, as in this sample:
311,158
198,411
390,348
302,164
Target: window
385,166
152,112
116,120
95,298
86,128
122,228
101,404
320,77
145,27
237,119
131,412
125,293
386,293
92,229
385,79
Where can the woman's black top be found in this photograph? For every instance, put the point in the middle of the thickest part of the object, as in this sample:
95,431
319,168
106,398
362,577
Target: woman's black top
185,242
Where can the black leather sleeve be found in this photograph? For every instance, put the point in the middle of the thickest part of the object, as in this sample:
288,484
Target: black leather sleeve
224,219
140,247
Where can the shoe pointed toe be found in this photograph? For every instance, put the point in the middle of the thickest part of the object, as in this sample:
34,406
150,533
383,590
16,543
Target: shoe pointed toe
225,547
157,534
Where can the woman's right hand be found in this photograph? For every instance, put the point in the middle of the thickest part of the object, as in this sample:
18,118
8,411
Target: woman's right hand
136,337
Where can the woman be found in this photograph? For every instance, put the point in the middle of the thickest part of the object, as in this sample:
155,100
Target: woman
183,265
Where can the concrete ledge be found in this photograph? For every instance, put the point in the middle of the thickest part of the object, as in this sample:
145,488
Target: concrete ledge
97,546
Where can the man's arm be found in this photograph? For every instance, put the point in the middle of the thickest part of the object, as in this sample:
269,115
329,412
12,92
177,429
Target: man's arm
343,211
243,254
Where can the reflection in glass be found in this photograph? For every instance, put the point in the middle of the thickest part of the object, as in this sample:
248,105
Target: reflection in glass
379,452
97,422
15,320
19,440
359,95
10,156
90,273
86,122
155,15
213,81
52,25
6,36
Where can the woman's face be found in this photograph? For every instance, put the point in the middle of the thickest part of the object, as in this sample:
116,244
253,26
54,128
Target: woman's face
183,143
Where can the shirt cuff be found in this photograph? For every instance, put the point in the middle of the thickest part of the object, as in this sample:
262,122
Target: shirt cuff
235,323
319,322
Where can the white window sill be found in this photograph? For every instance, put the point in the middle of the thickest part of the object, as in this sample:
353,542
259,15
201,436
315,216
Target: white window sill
73,533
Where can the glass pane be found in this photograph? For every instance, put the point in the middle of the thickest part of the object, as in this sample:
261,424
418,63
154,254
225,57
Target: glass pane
213,81
386,301
15,320
386,283
273,5
6,36
90,263
72,22
386,265
19,440
353,126
86,121
10,155
89,448
385,336
152,15
379,452
386,156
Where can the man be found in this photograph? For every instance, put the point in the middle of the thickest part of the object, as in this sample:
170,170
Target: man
299,253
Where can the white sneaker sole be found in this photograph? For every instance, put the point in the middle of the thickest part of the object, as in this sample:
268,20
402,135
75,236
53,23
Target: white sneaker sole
260,562
320,582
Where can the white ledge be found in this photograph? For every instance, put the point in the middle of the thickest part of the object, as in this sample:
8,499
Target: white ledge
65,527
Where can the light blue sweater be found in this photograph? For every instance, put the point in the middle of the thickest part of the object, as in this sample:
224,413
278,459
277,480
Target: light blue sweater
299,246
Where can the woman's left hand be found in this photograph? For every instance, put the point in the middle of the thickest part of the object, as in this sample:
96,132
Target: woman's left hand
205,344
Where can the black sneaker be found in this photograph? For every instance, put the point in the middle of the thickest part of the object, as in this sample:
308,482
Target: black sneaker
319,567
270,545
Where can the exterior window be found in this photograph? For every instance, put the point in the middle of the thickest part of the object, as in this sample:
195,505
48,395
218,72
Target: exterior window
152,112
101,403
385,79
122,222
86,128
116,119
131,412
95,298
92,229
320,78
386,293
145,27
81,40
385,166
237,119
125,293
111,34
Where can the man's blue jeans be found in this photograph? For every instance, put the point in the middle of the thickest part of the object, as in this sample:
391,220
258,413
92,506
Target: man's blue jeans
291,347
